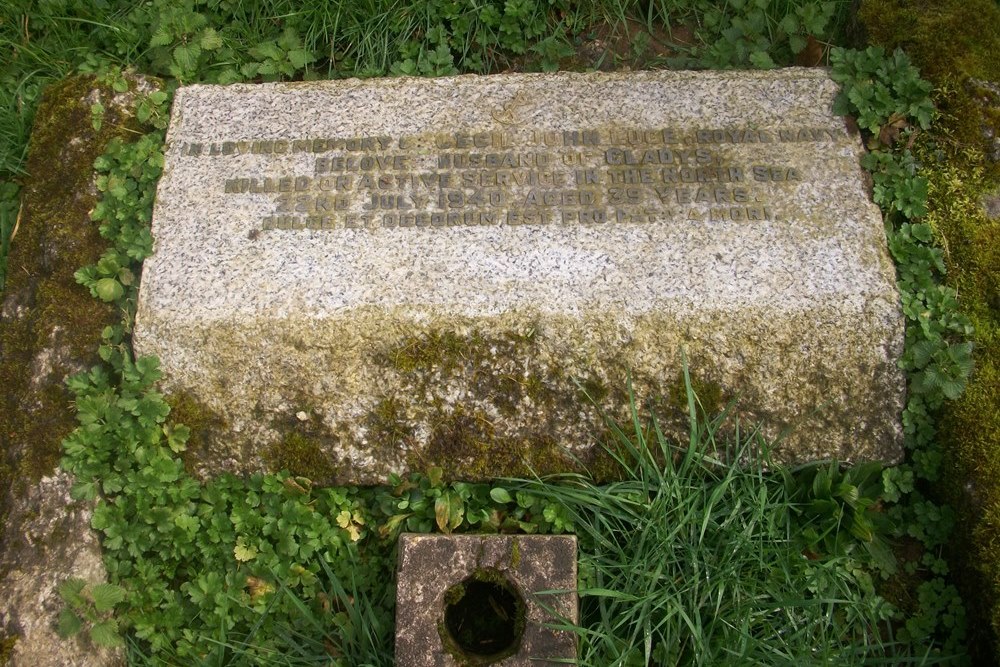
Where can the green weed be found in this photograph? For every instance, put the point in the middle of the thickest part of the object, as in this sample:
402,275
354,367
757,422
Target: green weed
90,606
890,101
880,90
749,33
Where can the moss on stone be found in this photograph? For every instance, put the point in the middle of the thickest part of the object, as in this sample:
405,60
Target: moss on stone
302,452
7,643
942,36
499,373
206,427
954,44
969,428
51,324
708,394
439,350
387,424
447,353
472,383
592,389
456,594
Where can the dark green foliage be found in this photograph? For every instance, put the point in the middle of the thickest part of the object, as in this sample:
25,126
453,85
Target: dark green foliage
938,355
753,33
422,503
877,88
127,176
193,557
91,607
898,186
839,509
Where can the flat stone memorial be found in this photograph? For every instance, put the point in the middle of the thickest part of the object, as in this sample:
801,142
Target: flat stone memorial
359,277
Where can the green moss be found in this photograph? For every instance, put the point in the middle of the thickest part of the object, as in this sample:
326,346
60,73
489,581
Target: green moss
707,392
387,424
454,594
941,36
438,350
498,374
592,389
954,43
446,354
515,553
58,325
301,454
465,444
969,428
206,426
7,643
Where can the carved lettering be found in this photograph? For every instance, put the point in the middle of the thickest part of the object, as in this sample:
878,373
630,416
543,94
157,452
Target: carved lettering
518,176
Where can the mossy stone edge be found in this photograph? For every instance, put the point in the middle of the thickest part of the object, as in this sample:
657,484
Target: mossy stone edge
352,400
51,328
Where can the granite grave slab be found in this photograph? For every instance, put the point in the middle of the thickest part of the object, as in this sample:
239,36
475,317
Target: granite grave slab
359,277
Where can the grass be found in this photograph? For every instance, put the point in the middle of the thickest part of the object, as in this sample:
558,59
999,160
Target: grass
688,560
692,560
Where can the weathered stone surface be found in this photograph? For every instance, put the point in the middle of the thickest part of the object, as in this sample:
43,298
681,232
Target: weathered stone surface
430,565
358,277
50,327
53,543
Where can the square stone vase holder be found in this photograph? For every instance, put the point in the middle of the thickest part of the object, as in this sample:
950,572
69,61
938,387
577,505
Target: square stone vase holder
478,600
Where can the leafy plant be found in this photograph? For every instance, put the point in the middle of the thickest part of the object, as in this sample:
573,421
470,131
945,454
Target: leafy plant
280,58
898,186
127,176
90,607
452,37
183,552
877,89
181,42
422,503
886,94
839,508
752,33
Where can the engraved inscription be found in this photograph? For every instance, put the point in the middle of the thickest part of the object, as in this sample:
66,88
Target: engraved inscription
578,176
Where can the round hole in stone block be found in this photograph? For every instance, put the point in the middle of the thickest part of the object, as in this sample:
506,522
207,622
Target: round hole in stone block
483,618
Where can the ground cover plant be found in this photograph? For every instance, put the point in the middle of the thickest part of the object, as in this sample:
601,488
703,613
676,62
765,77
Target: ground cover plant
272,570
958,158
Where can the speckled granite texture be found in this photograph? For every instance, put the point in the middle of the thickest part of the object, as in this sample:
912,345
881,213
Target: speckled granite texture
357,277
